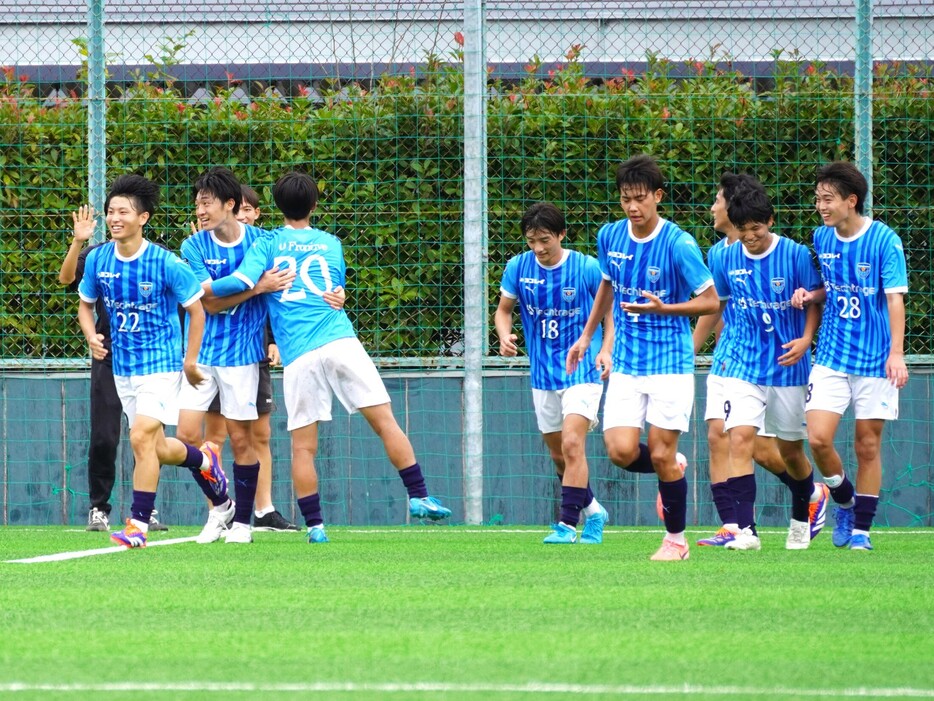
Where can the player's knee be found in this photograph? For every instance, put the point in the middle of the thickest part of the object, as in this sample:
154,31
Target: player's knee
621,455
572,446
866,448
821,443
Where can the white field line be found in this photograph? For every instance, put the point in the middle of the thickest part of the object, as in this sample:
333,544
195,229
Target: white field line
74,555
442,687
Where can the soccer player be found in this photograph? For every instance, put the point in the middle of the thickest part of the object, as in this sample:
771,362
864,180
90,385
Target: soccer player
141,286
555,288
766,362
765,452
231,350
320,351
106,410
860,349
654,278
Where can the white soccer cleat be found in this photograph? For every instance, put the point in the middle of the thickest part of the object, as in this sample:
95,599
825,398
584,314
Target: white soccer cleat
239,533
217,525
799,535
745,540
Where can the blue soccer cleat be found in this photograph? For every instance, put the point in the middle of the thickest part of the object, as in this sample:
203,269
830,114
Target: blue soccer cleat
428,507
592,534
316,534
719,539
561,534
129,537
843,531
213,473
860,542
817,510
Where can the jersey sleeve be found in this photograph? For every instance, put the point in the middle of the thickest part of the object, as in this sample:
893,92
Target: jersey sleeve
87,287
245,277
808,277
602,263
592,275
182,281
509,287
193,256
716,259
690,264
894,268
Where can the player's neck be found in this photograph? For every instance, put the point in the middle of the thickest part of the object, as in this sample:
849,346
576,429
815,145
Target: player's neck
644,229
228,231
127,248
298,223
731,234
851,225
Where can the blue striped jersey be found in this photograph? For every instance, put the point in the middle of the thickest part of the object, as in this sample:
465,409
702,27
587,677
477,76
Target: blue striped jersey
141,295
855,336
235,336
554,304
301,320
760,288
668,264
718,361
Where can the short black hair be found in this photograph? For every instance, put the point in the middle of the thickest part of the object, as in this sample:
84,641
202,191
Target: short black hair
248,195
845,178
731,182
749,205
295,194
142,192
543,216
220,183
640,172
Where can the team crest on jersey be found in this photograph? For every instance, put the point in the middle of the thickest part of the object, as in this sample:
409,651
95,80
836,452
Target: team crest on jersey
778,285
568,294
145,288
654,273
863,270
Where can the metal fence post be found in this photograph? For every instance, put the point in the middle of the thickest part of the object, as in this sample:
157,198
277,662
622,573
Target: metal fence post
97,113
863,94
475,254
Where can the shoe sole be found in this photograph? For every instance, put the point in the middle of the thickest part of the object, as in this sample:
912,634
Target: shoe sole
270,529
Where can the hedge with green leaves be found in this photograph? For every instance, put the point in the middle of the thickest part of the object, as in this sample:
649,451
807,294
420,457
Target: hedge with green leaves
390,165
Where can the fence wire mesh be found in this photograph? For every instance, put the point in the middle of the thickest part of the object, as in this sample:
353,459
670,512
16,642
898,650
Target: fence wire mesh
368,96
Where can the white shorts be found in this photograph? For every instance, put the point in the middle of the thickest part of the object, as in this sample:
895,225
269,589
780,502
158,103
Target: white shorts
664,401
236,386
341,368
871,397
155,396
553,405
775,410
715,410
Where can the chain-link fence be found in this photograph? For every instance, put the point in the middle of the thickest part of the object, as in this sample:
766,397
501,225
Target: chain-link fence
369,97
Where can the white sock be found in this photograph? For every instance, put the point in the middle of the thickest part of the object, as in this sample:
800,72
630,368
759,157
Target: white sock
262,512
592,508
734,527
676,538
144,527
857,531
223,507
815,495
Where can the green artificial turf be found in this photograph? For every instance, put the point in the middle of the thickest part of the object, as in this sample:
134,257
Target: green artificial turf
470,612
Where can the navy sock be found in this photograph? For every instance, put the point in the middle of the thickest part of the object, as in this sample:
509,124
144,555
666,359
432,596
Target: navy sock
208,487
642,464
724,501
572,501
865,511
245,477
195,457
143,504
414,482
310,507
787,479
744,491
590,496
843,493
675,500
801,491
